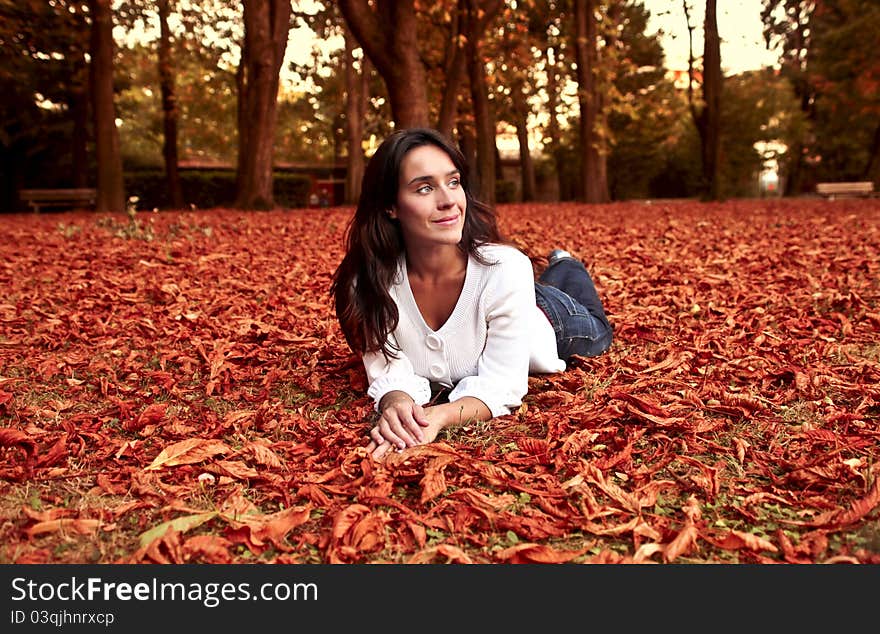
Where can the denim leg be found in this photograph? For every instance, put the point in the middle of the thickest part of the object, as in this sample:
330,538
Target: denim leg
571,276
566,293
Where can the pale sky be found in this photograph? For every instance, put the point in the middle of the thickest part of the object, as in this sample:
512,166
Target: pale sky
739,25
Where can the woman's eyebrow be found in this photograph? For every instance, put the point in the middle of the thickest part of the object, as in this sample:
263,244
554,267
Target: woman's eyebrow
419,179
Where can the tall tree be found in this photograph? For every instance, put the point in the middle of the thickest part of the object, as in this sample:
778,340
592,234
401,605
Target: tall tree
43,60
644,121
170,111
792,34
478,16
707,118
181,75
552,135
355,111
388,34
454,70
829,54
523,33
344,94
554,59
110,185
847,45
590,99
760,113
79,113
528,186
266,27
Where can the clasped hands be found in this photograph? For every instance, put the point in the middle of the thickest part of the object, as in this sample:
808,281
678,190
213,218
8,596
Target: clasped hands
403,423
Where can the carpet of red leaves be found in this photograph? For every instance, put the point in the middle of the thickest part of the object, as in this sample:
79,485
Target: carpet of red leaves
174,388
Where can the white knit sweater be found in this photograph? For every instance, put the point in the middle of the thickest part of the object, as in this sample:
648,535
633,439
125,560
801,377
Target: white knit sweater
495,336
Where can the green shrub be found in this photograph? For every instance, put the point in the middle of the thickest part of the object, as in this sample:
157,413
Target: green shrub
292,190
505,192
204,189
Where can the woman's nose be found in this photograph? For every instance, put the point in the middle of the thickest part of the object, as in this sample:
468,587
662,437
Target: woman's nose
444,198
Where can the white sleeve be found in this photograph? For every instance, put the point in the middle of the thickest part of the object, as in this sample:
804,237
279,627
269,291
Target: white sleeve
389,374
502,377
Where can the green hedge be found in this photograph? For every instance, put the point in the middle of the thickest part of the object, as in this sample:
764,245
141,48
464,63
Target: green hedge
291,190
505,192
207,189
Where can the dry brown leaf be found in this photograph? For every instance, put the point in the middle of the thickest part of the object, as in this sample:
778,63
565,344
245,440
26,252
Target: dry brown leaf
189,451
537,554
80,526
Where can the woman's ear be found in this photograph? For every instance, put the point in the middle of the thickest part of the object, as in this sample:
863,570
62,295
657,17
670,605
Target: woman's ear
392,213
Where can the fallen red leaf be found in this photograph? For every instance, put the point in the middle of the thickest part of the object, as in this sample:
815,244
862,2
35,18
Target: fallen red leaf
741,390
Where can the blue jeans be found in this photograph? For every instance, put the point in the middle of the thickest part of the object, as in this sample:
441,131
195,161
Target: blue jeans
566,293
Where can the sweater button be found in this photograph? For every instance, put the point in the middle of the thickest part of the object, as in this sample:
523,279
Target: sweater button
436,370
433,342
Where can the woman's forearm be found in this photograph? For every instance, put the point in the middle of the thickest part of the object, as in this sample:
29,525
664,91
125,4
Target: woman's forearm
461,411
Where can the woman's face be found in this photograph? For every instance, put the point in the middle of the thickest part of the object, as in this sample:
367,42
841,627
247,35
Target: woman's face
431,201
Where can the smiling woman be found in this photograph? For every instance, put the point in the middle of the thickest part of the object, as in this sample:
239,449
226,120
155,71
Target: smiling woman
446,313
430,207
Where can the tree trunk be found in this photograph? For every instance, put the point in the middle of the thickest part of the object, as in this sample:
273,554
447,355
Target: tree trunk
477,19
793,171
454,73
796,47
483,180
79,112
707,117
467,141
871,170
169,107
527,166
355,109
798,172
553,133
266,26
389,37
595,185
110,187
712,97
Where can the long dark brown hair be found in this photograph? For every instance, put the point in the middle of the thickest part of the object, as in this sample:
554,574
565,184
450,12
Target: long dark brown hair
374,241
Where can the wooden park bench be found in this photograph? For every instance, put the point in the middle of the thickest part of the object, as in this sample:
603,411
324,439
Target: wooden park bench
833,190
58,198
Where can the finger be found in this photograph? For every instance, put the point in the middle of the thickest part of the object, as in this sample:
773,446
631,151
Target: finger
376,436
409,437
412,427
413,420
420,417
380,451
385,434
388,436
395,432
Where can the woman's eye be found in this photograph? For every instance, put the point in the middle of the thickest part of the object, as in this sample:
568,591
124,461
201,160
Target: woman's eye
424,189
455,182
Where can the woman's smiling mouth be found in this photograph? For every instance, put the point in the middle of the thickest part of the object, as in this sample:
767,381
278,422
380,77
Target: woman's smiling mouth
447,220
